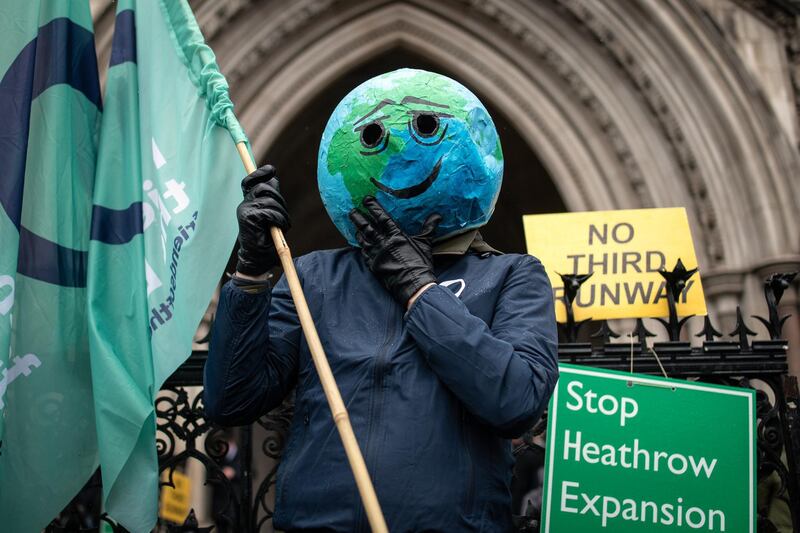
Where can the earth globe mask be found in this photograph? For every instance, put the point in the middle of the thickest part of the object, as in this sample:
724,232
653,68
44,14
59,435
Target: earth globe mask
419,142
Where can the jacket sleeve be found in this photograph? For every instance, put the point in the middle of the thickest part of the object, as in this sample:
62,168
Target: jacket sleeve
252,356
503,374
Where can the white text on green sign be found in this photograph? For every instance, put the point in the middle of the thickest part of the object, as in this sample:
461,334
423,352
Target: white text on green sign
629,453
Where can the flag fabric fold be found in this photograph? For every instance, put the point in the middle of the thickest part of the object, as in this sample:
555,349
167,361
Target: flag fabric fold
201,65
165,195
51,110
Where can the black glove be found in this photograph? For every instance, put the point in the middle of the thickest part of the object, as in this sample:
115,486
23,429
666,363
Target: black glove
263,206
403,263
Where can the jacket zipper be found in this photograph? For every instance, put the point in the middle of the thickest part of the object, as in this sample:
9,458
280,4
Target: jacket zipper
376,406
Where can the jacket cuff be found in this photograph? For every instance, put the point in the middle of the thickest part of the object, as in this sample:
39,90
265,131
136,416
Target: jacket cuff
242,305
251,286
430,295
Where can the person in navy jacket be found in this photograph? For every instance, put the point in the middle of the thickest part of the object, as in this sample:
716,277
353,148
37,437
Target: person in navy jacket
442,352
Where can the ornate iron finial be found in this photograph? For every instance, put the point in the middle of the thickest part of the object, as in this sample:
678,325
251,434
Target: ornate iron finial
675,284
572,284
708,330
742,331
641,333
774,286
777,283
605,332
189,525
677,278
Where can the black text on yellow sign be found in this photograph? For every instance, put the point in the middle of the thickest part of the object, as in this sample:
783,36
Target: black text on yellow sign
624,250
175,501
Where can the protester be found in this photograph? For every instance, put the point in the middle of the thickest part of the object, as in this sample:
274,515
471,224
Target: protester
434,337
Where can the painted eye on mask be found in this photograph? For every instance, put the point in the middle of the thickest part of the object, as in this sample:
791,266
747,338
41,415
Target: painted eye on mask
374,137
426,128
426,124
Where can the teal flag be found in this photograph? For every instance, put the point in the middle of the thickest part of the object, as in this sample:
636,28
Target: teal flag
49,117
166,190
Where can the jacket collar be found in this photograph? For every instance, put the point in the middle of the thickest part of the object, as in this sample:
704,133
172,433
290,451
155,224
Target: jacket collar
464,242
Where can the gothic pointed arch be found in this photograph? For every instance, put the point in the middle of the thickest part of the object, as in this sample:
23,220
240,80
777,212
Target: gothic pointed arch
627,104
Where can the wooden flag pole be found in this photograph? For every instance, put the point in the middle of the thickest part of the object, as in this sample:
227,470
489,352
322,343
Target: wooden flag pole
339,411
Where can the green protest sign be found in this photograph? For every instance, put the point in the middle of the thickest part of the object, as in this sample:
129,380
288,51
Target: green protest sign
633,453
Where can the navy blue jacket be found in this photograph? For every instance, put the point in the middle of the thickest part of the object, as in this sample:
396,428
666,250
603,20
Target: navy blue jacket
433,394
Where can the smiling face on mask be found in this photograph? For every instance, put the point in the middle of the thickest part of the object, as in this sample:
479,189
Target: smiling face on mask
419,142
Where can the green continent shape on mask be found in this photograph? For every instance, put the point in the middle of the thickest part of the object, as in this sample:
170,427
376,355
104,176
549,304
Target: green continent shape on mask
498,151
345,149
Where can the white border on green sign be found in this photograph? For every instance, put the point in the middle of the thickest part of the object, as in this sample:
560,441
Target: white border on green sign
656,382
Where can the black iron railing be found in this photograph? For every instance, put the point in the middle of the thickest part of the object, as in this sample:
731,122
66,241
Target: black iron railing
243,502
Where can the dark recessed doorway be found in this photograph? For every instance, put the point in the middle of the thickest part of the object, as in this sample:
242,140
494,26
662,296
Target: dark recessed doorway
527,187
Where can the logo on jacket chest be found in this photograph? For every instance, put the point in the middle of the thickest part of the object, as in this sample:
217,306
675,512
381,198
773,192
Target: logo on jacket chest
455,285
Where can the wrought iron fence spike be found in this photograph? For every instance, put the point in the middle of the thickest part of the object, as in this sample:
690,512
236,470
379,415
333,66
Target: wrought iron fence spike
641,333
742,331
605,332
709,332
766,323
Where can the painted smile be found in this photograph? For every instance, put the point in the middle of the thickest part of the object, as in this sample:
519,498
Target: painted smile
414,190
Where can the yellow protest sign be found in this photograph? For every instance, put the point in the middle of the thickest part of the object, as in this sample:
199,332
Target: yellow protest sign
175,501
624,250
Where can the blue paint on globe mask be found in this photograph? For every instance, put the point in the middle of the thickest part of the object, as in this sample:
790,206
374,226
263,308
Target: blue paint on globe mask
419,142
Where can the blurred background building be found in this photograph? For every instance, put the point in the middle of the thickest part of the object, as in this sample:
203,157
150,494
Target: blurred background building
608,104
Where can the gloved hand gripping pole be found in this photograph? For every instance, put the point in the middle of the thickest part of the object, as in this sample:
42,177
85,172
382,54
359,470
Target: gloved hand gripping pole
338,410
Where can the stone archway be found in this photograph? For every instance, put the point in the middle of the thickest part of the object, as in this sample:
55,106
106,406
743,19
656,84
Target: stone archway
627,104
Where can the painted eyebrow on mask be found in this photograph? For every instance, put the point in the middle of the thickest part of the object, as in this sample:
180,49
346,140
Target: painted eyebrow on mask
385,102
405,100
415,100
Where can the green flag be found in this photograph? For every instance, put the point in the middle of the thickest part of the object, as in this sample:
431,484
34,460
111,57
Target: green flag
50,108
163,224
